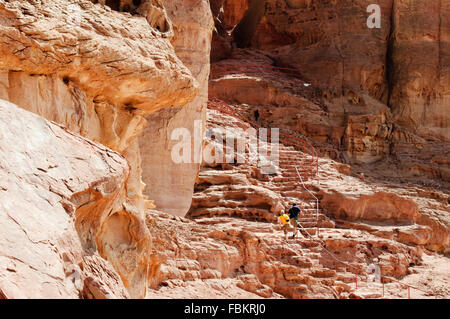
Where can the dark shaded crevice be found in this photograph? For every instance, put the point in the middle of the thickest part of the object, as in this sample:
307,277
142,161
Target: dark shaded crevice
439,43
389,63
113,4
121,5
246,28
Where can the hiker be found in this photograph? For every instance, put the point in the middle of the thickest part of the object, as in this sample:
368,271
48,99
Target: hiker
283,218
294,212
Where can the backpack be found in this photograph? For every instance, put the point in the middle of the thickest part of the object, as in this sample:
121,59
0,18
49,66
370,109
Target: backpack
284,219
294,211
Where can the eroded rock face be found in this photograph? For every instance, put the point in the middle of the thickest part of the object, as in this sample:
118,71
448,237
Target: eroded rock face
347,199
419,96
379,207
122,60
360,71
49,178
329,42
170,184
99,72
254,257
100,80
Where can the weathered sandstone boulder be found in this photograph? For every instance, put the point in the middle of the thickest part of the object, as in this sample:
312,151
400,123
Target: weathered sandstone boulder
99,79
98,71
59,194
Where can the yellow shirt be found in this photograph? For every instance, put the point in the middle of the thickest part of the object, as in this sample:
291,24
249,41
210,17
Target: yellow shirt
284,219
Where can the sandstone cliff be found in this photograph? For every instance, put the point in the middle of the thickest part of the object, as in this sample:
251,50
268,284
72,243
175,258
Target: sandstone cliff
98,72
50,179
170,184
332,47
316,71
100,86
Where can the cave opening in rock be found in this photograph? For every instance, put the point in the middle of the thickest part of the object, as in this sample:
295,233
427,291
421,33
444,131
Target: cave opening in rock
121,5
246,28
113,4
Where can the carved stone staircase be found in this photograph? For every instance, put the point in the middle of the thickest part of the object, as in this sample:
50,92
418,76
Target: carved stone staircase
290,187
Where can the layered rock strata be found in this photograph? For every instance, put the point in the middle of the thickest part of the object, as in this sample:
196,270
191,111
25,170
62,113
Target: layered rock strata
356,67
99,72
60,195
252,260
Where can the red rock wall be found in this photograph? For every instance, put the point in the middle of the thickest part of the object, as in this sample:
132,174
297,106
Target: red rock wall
395,74
420,67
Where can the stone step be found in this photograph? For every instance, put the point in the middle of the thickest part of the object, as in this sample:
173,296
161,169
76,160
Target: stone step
307,253
312,216
294,157
285,172
296,194
279,179
287,183
286,169
308,219
323,273
292,174
312,231
283,188
296,162
302,261
320,224
292,168
285,148
305,176
300,162
291,171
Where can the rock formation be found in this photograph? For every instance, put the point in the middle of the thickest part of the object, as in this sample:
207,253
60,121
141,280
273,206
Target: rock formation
252,261
94,204
419,92
244,190
332,47
50,179
99,77
170,184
